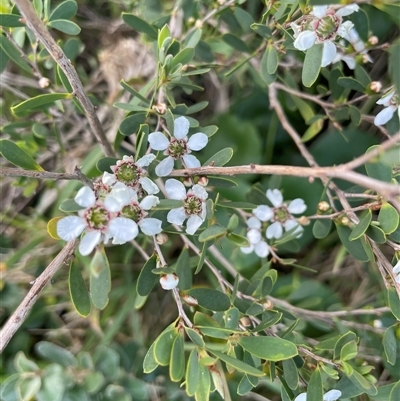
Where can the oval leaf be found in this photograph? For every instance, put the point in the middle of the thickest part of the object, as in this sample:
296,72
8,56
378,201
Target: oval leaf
177,361
100,279
312,65
17,156
211,299
65,10
65,26
78,291
52,227
33,103
192,373
54,353
220,158
150,363
212,232
139,25
163,346
362,226
388,218
147,279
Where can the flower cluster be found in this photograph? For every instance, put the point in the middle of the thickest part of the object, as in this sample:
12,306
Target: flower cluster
323,25
391,102
278,219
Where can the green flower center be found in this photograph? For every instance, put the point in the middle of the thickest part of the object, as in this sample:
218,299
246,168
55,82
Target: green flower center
327,27
97,217
132,211
281,214
192,205
177,148
129,174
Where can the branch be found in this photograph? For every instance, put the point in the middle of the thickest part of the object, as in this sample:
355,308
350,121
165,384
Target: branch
20,314
35,24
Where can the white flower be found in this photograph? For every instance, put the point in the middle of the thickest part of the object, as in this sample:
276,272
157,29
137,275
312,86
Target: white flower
280,215
124,201
194,205
169,281
391,102
257,244
178,147
331,395
97,220
322,26
132,174
396,271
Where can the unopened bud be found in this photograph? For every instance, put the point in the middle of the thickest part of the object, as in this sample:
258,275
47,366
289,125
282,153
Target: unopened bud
377,323
187,182
189,300
323,206
198,24
44,82
161,238
366,58
169,281
160,108
303,220
268,305
345,221
375,86
373,40
245,321
203,181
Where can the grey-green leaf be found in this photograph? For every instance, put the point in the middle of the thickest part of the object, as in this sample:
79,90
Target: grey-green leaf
312,65
77,290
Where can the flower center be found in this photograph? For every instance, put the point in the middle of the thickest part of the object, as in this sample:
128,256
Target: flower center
97,217
133,211
281,214
192,205
177,148
101,190
128,173
327,27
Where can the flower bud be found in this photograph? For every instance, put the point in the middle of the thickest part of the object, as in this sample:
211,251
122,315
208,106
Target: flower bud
323,206
169,281
203,181
160,108
377,323
366,59
245,321
198,24
344,220
373,40
44,82
304,220
375,86
268,305
189,300
187,182
161,238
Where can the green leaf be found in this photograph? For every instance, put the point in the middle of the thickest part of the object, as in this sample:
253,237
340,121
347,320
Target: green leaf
195,337
269,348
394,57
56,354
342,341
177,361
163,346
313,130
321,228
163,34
351,83
77,290
35,102
63,25
355,248
23,364
69,205
362,226
376,234
65,10
11,20
220,158
149,362
183,57
193,38
204,385
53,383
212,232
211,299
238,239
394,302
262,30
348,351
147,279
312,65
235,42
238,205
140,25
388,218
232,318
239,365
100,279
131,124
390,344
377,169
290,373
395,393
27,387
266,77
168,204
272,59
192,373
244,19
105,163
134,92
17,156
315,390
13,54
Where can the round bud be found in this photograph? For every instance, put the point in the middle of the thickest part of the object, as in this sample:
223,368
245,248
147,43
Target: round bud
161,238
375,86
323,206
203,181
198,24
373,40
344,220
268,305
160,108
44,82
245,321
169,281
189,300
304,220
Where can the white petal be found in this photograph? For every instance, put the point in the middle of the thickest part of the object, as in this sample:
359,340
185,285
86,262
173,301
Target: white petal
181,127
149,186
176,216
275,230
149,201
193,223
262,249
263,212
165,167
123,194
199,191
175,189
150,226
275,196
397,278
197,141
301,397
345,29
319,11
169,281
85,197
253,222
297,206
247,249
146,160
350,61
113,204
254,236
290,224
328,53
384,115
296,29
385,100
347,10
89,241
191,161
305,40
70,227
396,268
332,395
158,141
108,179
122,228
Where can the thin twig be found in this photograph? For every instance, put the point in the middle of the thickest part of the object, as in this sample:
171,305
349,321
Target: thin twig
20,314
36,25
